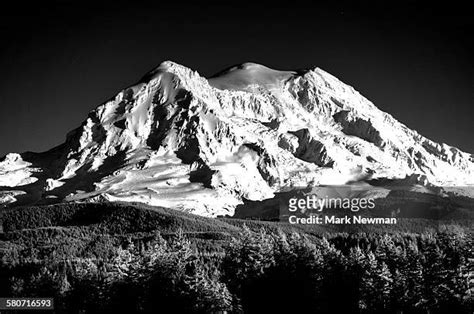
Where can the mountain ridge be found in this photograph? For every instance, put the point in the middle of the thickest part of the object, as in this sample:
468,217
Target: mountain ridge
179,140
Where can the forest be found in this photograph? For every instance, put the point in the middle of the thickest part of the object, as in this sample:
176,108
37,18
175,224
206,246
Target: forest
114,257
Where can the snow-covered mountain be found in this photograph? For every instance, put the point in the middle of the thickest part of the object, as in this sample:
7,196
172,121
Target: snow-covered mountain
179,140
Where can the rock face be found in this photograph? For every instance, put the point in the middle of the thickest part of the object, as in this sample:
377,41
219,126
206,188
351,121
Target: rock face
179,140
305,147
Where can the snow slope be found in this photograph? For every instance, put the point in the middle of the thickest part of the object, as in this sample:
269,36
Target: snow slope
179,140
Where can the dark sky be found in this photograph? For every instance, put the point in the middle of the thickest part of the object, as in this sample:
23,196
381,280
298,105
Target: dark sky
60,59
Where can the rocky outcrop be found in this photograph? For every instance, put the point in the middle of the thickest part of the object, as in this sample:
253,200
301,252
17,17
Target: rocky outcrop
303,146
354,126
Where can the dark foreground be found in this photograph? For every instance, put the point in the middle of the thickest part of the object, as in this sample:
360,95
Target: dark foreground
132,258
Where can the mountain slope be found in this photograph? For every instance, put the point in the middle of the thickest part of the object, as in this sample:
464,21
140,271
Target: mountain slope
178,140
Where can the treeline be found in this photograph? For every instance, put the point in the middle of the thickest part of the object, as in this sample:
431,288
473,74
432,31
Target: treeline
258,271
110,218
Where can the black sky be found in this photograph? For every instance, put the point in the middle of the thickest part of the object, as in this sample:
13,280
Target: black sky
60,59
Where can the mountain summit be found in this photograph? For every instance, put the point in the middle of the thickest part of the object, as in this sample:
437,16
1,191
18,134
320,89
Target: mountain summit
179,140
